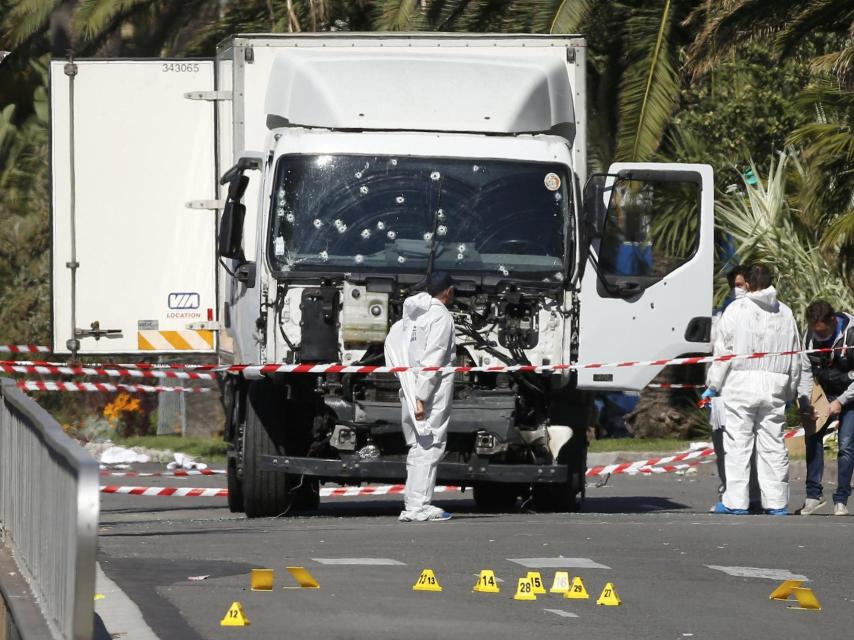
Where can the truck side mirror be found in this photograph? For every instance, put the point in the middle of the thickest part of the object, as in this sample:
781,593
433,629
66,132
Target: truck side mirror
231,230
595,208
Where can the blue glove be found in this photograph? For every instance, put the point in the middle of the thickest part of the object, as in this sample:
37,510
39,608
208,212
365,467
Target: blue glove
709,393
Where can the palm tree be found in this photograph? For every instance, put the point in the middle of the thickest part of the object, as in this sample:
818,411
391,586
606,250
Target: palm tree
792,22
765,227
827,194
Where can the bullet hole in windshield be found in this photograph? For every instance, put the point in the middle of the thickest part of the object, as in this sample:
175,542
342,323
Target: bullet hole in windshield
400,199
391,235
280,211
558,197
359,258
324,256
428,236
290,218
401,259
363,189
394,162
318,223
461,248
339,224
442,230
366,233
504,270
380,225
281,194
358,175
440,214
460,256
475,167
435,175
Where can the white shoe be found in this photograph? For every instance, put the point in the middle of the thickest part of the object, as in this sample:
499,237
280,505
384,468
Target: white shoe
413,516
840,509
811,505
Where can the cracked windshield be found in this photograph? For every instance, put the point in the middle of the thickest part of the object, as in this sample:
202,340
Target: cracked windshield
388,214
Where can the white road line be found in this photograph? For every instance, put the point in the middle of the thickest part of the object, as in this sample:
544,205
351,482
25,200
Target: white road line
558,563
562,613
757,572
121,617
360,561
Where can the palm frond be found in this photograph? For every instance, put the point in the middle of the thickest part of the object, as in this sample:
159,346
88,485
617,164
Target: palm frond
397,15
732,22
570,16
815,15
650,85
26,18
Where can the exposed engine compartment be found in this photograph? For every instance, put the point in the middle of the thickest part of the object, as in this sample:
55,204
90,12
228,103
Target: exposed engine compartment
503,415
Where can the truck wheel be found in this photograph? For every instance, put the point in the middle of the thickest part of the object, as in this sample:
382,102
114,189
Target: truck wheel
495,496
234,401
265,493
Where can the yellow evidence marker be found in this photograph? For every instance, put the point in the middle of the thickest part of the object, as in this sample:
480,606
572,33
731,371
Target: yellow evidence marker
806,600
785,589
609,597
577,590
561,582
427,582
261,580
486,582
304,577
235,617
536,581
525,589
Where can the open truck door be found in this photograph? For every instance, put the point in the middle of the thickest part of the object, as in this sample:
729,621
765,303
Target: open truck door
646,291
134,182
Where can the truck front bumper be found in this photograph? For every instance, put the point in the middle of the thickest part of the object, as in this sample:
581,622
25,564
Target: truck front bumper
476,470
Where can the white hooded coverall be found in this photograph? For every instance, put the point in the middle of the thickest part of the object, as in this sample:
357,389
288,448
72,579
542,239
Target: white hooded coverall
423,337
755,393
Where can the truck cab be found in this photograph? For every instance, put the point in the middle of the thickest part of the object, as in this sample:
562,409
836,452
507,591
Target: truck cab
339,171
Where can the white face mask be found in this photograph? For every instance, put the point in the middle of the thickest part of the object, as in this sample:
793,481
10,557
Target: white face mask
739,292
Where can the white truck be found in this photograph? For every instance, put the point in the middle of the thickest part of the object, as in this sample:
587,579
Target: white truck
276,204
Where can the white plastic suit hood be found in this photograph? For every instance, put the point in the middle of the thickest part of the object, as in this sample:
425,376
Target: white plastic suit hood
765,298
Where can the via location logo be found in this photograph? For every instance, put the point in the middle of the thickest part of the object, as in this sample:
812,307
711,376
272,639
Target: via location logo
184,300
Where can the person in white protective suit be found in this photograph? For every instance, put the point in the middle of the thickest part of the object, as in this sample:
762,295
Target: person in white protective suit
755,393
737,279
424,337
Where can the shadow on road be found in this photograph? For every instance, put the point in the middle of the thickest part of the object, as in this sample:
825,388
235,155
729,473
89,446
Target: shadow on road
631,504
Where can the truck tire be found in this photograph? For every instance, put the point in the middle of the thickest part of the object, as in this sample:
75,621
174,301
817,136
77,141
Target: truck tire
265,493
495,496
233,393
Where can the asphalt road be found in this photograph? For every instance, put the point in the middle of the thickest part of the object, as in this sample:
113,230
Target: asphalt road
680,571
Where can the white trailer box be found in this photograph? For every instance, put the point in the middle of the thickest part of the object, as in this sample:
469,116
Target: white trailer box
140,152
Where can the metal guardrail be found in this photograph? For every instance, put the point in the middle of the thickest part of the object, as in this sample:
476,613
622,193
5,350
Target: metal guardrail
49,501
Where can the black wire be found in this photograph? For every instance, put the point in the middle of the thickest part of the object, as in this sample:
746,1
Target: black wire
280,305
227,270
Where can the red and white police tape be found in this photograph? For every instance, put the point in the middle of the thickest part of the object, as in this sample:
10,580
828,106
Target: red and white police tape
259,370
103,387
188,492
9,366
23,348
192,371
